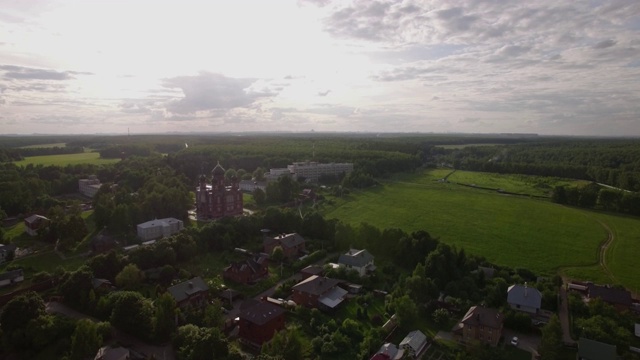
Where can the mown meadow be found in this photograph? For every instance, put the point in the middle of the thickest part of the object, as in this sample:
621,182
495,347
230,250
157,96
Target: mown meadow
516,231
66,159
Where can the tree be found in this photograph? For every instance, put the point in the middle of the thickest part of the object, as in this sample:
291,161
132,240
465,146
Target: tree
20,311
551,342
440,316
85,340
277,255
164,320
259,196
77,287
193,343
130,277
258,174
131,313
406,310
288,343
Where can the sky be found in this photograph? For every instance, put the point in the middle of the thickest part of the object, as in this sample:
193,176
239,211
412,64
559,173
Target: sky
473,66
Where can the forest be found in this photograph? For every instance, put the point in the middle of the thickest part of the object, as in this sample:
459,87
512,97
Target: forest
157,176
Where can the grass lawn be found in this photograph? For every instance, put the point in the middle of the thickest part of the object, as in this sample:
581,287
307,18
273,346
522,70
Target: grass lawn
522,184
46,260
508,230
66,159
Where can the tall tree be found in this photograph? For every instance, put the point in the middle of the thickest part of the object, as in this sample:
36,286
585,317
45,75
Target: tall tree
551,342
164,320
85,340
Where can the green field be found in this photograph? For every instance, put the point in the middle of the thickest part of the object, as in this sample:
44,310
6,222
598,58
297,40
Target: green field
37,146
66,159
515,231
521,184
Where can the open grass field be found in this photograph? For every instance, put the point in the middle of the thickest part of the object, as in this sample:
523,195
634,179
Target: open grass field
38,146
507,230
66,159
521,184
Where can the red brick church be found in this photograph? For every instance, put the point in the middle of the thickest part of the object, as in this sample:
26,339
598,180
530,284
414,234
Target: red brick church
216,200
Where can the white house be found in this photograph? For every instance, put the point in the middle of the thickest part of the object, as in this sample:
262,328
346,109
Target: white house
414,343
159,228
11,277
89,187
358,260
524,298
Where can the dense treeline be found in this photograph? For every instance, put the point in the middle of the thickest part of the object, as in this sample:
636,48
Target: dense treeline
141,190
31,188
17,154
595,196
615,162
195,160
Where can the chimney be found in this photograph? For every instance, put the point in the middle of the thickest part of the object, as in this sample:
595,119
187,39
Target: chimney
525,289
190,284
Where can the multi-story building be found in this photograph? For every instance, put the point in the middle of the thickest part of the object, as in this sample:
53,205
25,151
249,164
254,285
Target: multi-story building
89,187
358,260
194,293
318,292
159,228
311,170
248,271
480,324
259,322
275,173
217,200
293,245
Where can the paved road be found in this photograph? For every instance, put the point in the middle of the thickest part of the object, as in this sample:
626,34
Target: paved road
159,352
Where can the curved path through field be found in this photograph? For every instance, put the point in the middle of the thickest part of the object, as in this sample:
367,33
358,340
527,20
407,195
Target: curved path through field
602,253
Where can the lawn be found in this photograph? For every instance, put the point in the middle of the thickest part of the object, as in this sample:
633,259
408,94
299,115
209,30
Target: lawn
521,184
66,159
507,230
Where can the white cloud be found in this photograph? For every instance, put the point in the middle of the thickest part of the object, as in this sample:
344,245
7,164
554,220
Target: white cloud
376,65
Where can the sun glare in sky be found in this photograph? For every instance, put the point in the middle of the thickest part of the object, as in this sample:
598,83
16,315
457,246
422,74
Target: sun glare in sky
544,67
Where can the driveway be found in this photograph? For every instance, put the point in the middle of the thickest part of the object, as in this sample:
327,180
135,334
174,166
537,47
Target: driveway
527,342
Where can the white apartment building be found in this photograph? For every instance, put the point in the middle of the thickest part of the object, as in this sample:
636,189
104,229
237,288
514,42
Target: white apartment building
89,187
159,228
312,170
275,173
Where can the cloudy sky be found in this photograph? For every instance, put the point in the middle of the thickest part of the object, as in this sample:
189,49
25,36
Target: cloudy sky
547,67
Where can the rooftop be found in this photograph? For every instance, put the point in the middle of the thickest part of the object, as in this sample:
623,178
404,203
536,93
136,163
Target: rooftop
261,313
356,258
524,295
184,290
316,285
479,315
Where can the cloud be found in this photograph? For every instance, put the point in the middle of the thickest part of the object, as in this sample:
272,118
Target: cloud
324,93
605,44
29,73
209,91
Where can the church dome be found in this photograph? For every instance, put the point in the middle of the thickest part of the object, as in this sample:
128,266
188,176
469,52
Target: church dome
218,170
